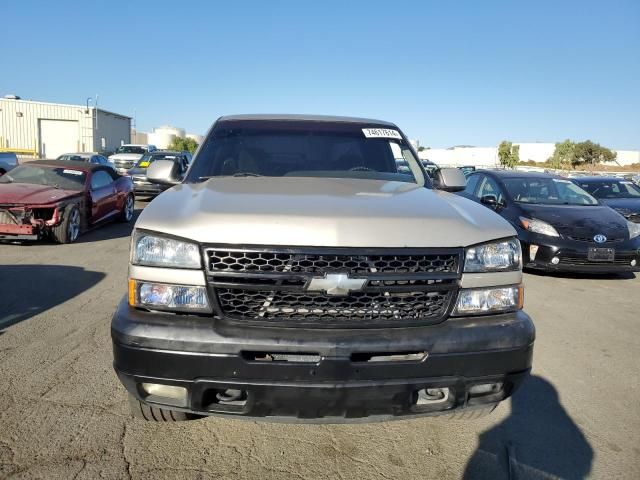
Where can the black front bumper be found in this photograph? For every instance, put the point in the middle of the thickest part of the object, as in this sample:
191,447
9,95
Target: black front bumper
207,357
573,255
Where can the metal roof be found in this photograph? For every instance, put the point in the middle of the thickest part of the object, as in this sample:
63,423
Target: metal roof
304,118
91,107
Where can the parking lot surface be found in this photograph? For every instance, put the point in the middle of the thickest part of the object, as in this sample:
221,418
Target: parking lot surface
63,413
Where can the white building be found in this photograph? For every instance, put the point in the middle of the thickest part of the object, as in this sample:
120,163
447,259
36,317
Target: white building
488,156
46,130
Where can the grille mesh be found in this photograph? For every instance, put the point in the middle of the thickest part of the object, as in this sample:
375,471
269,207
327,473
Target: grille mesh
244,261
401,286
357,307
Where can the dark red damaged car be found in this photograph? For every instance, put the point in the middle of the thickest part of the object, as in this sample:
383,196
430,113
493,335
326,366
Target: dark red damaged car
61,199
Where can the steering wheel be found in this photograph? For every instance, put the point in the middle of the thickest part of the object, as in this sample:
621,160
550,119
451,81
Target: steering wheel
361,168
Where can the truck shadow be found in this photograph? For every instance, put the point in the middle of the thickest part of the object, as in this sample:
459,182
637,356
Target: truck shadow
28,290
537,440
583,276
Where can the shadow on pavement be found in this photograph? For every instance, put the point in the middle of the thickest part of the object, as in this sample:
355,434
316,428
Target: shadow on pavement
28,290
110,230
583,276
537,440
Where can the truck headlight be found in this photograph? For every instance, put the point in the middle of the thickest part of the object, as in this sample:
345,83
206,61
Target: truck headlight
157,251
163,296
634,229
538,226
500,256
475,301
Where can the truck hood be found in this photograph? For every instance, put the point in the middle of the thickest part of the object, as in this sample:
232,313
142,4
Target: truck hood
28,194
321,212
125,156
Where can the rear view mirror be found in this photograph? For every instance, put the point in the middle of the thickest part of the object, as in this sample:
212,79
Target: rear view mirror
449,180
163,172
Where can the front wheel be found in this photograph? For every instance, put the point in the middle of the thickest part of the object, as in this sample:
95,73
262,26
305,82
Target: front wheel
127,209
69,229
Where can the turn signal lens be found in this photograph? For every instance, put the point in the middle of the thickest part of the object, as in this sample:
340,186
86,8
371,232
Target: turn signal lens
163,296
492,300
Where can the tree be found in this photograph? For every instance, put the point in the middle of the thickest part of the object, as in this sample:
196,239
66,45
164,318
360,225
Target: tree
508,154
563,154
589,153
183,144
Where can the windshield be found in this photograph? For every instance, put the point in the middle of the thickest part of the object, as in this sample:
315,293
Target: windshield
611,189
76,158
547,191
149,158
130,149
58,177
305,149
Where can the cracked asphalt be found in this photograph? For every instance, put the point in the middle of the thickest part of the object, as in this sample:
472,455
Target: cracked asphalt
63,413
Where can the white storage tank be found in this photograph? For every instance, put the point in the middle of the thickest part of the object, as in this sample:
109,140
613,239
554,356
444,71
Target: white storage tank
162,137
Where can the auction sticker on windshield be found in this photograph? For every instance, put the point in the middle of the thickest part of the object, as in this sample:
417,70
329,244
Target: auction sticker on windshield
381,133
73,172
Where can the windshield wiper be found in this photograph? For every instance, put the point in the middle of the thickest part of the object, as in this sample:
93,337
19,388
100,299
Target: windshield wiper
237,174
9,178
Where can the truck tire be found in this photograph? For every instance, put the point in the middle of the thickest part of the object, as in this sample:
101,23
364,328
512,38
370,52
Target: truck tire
127,209
69,229
156,414
470,413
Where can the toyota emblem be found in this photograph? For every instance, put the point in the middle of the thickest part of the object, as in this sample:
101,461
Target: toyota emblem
600,238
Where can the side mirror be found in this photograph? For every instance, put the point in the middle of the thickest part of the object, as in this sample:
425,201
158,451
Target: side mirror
449,180
163,172
489,200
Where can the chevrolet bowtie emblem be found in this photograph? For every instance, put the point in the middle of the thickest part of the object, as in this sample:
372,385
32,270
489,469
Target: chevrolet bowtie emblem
336,284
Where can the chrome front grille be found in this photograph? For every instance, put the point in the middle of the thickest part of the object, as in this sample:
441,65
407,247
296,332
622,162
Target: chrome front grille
398,287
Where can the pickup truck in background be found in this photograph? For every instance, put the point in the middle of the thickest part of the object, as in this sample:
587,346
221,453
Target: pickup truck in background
126,156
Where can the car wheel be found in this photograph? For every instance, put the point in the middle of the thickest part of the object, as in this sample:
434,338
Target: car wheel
127,210
69,230
156,414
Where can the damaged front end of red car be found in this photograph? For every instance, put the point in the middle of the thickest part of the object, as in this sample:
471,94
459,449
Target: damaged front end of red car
20,222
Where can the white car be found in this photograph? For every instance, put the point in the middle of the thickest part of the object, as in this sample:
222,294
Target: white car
126,156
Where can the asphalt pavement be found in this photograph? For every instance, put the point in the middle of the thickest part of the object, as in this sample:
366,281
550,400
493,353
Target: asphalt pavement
63,413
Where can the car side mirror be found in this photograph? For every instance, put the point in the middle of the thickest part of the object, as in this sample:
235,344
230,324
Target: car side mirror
163,172
449,180
489,200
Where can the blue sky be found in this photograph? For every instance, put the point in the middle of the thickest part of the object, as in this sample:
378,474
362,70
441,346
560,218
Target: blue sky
448,72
